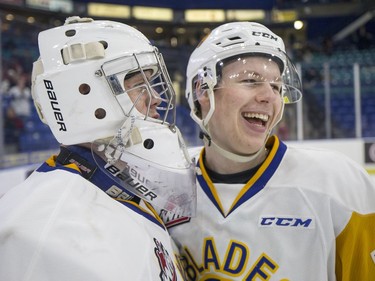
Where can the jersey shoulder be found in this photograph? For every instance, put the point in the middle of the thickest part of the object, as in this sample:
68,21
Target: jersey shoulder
326,157
328,172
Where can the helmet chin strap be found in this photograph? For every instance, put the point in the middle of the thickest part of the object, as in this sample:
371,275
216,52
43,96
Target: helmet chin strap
233,156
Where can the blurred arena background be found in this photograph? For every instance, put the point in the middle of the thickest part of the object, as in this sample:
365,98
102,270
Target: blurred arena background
331,41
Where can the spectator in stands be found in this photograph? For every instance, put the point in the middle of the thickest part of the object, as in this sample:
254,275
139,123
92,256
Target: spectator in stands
16,101
21,97
13,127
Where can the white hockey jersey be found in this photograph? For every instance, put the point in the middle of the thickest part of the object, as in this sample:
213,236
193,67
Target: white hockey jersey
59,226
305,215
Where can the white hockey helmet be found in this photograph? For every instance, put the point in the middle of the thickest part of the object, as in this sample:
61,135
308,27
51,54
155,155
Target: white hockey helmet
79,90
234,41
77,83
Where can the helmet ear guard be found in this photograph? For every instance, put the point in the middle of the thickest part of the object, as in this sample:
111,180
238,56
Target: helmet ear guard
206,78
204,83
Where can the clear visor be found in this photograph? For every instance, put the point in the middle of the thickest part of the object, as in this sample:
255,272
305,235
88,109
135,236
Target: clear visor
156,168
144,79
272,69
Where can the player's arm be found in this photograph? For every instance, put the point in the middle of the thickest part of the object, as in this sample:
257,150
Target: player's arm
355,249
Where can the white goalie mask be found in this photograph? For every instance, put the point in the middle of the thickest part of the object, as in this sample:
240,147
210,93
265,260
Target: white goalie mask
102,82
236,41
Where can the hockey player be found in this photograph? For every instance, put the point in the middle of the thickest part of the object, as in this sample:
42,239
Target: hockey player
84,214
265,210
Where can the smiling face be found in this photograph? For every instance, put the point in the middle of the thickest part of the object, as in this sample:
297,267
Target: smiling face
248,103
144,100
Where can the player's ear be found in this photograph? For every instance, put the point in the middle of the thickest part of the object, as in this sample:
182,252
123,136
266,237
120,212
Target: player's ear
202,95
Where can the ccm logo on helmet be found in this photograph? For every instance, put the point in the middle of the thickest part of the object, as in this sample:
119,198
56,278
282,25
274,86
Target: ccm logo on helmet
265,35
55,105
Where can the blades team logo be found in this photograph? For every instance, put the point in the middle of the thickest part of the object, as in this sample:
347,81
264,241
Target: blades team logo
168,271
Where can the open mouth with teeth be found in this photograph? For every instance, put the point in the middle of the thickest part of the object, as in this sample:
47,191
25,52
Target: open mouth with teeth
256,118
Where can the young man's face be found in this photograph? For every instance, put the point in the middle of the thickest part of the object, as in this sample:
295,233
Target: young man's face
143,100
248,102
